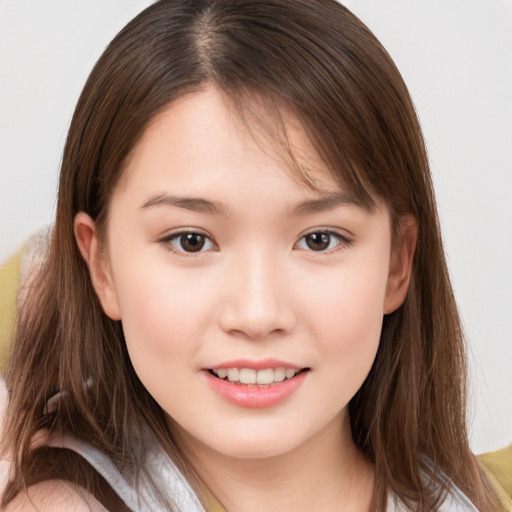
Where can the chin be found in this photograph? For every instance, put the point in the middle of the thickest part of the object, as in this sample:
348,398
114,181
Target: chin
252,445
255,450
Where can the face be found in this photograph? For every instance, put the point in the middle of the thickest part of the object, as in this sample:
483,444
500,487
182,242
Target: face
251,304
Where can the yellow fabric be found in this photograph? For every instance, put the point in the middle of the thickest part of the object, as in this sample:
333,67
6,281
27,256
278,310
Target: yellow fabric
9,285
214,506
498,467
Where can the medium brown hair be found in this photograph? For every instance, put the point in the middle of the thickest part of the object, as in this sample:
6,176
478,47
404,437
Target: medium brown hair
409,417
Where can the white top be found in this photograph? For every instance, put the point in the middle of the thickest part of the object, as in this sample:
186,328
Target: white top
163,471
167,476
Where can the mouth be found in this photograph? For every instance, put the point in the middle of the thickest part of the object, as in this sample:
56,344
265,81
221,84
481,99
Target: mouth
262,378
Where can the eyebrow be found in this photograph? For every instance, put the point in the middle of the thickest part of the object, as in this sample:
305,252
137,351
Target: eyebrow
327,201
195,204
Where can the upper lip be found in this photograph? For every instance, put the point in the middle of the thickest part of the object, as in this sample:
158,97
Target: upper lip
257,365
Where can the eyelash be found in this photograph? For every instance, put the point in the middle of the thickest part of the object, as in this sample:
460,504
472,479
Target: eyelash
342,240
167,242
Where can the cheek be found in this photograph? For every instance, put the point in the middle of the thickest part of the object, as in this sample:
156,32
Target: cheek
162,314
162,322
346,317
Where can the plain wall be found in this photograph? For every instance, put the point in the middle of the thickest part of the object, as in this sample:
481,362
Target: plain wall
456,57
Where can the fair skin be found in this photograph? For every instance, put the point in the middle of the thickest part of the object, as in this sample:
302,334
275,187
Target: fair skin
54,496
215,257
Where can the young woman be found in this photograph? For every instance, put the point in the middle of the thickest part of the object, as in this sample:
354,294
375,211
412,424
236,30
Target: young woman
245,303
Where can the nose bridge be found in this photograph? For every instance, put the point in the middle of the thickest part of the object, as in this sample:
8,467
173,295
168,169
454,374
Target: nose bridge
256,302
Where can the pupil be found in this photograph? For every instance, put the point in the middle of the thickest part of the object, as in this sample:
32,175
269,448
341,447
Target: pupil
192,242
318,241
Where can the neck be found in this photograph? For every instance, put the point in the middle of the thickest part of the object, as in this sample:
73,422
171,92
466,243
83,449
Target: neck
327,472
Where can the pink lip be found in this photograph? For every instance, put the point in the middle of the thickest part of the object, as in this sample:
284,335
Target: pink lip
252,396
257,365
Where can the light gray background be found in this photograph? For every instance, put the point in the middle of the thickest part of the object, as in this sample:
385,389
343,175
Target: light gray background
456,57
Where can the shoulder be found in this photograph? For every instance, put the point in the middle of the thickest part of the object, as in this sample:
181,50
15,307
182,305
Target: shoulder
55,496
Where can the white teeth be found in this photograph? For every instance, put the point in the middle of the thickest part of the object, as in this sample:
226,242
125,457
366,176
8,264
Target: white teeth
233,374
265,376
222,373
290,373
260,377
247,376
279,374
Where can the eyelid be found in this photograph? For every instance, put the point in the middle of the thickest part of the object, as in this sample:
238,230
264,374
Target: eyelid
344,240
166,240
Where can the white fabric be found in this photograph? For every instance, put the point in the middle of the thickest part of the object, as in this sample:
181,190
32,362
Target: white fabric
168,477
455,501
164,472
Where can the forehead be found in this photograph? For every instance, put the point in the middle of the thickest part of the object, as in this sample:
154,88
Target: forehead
202,135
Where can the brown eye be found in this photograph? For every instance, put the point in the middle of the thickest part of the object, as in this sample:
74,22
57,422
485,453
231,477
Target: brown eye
318,241
192,242
189,241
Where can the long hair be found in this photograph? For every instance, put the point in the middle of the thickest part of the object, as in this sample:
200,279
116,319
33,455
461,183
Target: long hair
409,417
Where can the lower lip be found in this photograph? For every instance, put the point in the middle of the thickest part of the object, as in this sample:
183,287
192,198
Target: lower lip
252,396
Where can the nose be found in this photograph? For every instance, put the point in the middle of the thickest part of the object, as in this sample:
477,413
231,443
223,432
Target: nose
256,301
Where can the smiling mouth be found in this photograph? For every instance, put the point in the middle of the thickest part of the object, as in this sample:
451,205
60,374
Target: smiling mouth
265,377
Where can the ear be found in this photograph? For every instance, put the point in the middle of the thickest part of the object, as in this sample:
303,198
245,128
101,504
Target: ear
93,254
400,266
